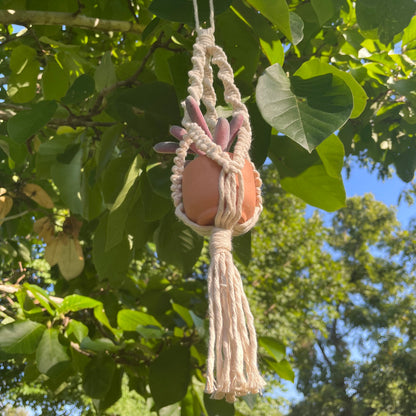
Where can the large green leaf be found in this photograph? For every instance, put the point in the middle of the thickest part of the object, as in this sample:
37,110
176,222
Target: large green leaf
307,110
114,263
218,407
169,375
105,74
274,347
277,11
82,88
55,81
67,177
98,375
315,67
74,303
389,17
242,51
28,122
315,177
282,369
183,11
324,9
20,337
177,244
125,199
317,188
129,320
22,82
50,352
149,109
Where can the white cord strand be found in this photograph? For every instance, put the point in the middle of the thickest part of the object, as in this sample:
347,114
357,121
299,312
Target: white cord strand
211,15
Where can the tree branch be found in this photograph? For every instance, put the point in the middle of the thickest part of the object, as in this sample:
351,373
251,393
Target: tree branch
326,358
34,17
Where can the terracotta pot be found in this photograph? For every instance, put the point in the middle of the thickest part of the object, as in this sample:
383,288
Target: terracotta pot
200,190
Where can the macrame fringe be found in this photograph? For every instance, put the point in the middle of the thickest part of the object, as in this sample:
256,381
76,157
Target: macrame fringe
232,349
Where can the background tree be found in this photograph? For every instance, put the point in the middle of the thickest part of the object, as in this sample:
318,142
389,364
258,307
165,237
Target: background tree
87,89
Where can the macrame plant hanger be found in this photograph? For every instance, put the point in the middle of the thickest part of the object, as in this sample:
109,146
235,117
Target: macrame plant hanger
232,350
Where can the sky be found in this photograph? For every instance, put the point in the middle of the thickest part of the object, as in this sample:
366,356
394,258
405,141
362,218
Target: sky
361,182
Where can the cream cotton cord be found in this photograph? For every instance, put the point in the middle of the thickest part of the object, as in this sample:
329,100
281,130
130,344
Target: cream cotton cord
232,368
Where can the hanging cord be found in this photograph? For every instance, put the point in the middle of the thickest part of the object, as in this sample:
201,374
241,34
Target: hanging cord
232,369
211,15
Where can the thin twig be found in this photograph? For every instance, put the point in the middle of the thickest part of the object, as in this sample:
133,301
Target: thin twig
13,217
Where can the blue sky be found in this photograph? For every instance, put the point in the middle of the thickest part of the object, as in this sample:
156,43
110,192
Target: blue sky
361,181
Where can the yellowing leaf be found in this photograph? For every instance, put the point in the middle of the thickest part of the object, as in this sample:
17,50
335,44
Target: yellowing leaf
45,229
38,194
52,251
70,258
6,204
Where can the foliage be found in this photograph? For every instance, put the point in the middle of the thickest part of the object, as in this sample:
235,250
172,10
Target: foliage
85,204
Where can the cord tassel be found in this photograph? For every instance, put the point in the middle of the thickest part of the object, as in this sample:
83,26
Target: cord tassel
232,349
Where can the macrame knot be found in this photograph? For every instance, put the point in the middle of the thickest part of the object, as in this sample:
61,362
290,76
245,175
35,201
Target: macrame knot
205,37
220,241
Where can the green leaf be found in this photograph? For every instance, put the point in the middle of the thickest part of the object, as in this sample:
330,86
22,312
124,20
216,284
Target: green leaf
107,144
140,229
74,303
405,165
97,377
48,152
282,369
159,180
169,375
155,206
26,123
317,188
315,67
242,248
274,51
261,135
82,88
55,81
101,316
77,329
243,51
290,158
177,244
218,407
99,344
50,352
149,109
296,27
41,296
184,314
22,82
324,9
388,17
129,320
114,392
20,337
274,347
182,10
122,205
307,110
67,177
114,263
331,153
105,74
277,11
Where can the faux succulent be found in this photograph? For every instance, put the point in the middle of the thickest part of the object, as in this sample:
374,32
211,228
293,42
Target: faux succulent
224,133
